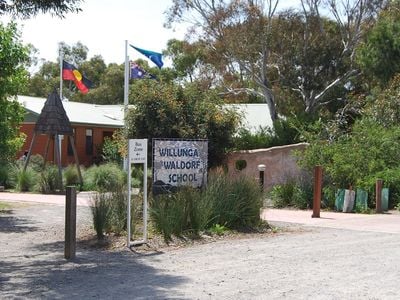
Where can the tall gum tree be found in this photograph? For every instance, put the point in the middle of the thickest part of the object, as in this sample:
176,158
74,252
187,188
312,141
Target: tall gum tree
240,36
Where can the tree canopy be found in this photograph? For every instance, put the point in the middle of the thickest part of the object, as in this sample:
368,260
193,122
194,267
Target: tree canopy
13,76
30,8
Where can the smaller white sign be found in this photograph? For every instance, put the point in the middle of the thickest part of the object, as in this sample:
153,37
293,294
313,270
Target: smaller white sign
138,151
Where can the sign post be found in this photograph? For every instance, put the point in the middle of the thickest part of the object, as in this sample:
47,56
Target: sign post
137,154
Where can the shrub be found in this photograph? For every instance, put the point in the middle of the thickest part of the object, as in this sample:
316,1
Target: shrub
4,173
24,180
49,180
110,151
235,203
296,193
71,175
109,212
101,213
177,213
107,177
36,161
118,206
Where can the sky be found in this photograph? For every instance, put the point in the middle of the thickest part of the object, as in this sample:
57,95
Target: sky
103,26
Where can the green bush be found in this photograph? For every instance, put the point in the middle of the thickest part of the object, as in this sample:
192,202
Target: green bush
71,175
101,214
283,133
49,180
118,211
234,203
296,193
110,151
109,212
108,177
36,161
4,174
24,181
177,214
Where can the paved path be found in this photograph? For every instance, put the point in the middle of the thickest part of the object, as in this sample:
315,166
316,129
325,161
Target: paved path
388,222
82,198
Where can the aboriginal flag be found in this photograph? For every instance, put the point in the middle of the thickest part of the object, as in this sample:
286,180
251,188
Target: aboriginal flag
70,72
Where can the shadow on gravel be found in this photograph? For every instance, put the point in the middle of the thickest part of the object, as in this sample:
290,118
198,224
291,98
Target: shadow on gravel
10,223
95,273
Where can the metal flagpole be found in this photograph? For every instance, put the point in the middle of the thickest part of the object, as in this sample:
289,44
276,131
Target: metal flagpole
127,165
59,137
61,71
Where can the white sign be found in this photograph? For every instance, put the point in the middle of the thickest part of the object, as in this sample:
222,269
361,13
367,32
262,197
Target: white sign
179,162
138,151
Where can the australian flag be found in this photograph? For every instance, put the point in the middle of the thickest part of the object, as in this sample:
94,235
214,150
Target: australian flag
138,73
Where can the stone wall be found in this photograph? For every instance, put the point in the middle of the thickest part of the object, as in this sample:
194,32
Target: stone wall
279,161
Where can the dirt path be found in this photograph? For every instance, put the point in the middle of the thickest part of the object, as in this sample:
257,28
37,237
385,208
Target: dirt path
313,262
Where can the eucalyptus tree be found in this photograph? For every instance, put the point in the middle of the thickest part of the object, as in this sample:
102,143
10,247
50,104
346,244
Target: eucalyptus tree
249,40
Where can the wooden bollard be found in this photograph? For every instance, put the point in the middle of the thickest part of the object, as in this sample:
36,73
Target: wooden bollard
317,191
378,196
70,222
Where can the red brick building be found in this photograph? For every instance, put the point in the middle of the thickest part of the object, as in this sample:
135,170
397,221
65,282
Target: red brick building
91,123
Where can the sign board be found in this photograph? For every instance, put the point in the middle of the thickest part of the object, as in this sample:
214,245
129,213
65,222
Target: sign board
138,151
179,162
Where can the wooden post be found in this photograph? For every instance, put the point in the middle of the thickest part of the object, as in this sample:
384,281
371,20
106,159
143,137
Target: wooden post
70,222
378,196
317,191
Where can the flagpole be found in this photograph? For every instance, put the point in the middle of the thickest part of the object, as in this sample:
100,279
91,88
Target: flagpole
126,93
61,54
127,165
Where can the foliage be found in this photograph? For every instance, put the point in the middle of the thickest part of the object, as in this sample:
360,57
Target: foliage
176,214
36,161
4,174
110,151
49,180
13,59
383,106
295,193
30,8
369,148
23,181
218,229
104,178
70,175
379,55
168,110
101,213
235,203
109,212
250,46
283,133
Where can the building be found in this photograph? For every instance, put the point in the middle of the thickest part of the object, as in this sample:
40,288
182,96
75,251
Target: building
91,124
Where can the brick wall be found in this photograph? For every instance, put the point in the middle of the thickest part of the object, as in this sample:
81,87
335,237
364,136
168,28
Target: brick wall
98,134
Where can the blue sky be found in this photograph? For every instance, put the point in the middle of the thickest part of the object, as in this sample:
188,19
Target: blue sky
103,26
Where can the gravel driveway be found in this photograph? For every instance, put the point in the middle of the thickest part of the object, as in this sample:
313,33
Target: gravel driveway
307,262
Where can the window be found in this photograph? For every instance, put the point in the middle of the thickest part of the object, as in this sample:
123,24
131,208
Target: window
89,141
